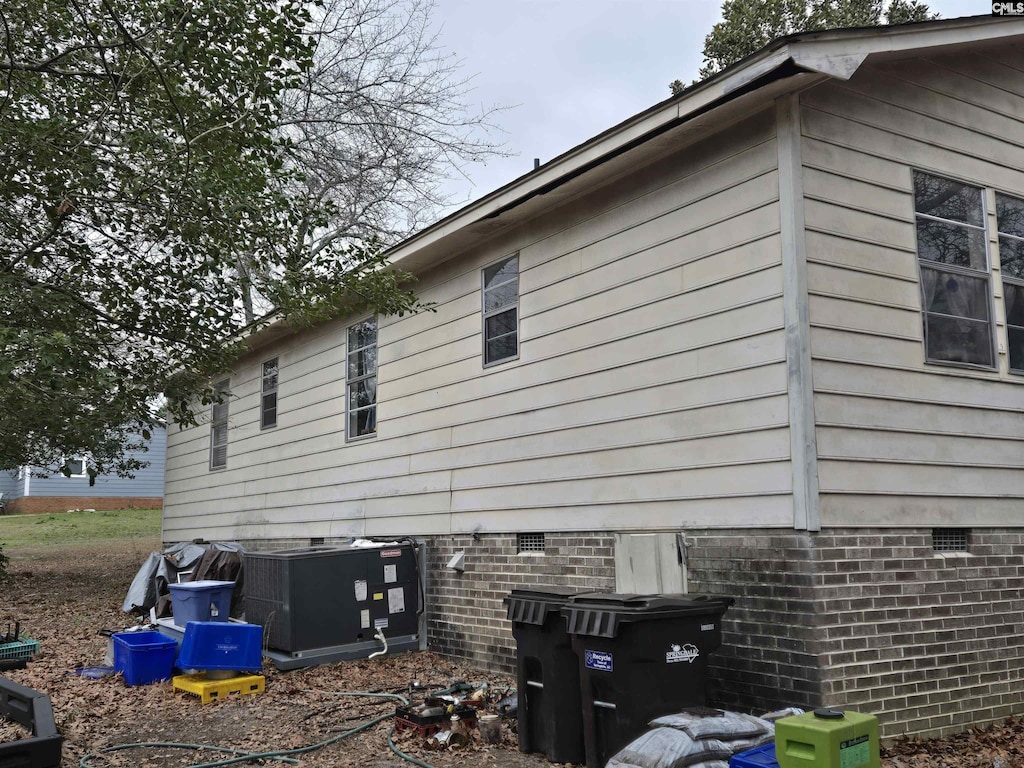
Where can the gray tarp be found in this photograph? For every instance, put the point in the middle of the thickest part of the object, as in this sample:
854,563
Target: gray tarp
220,561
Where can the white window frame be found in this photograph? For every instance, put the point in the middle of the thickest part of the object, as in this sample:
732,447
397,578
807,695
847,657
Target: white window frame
987,275
1017,282
350,381
485,314
222,386
82,458
276,360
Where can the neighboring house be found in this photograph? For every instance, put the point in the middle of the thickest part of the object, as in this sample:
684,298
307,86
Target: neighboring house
764,339
32,490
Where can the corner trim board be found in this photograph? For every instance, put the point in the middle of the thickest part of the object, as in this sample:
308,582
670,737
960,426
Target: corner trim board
803,440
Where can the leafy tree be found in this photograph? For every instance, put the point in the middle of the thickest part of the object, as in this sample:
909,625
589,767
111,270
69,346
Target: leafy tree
749,25
146,162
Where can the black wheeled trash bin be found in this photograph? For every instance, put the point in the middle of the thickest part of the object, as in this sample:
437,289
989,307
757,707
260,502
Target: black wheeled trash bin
548,678
640,657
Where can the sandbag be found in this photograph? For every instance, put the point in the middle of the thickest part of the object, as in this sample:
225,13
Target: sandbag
669,748
728,726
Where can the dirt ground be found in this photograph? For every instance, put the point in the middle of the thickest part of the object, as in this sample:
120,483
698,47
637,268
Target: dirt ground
65,596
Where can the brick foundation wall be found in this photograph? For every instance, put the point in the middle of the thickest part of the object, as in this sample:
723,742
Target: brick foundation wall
771,636
467,615
930,643
869,619
35,505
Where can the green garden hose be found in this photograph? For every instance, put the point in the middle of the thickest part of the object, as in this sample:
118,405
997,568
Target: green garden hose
280,755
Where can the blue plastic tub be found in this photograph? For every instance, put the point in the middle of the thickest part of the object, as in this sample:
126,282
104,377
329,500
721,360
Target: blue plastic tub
201,601
759,757
211,645
143,657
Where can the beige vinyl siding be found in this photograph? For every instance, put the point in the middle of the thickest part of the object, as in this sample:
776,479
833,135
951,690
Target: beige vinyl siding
650,389
901,442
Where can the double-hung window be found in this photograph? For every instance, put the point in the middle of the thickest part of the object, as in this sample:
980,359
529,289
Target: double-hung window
268,395
361,383
501,310
953,258
219,427
1010,222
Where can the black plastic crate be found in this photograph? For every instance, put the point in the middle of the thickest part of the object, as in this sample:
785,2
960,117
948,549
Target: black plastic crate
32,710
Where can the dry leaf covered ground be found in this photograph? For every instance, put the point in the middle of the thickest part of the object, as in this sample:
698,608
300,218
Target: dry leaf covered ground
65,594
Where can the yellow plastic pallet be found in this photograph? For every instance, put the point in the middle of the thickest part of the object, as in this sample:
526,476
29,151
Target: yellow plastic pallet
213,690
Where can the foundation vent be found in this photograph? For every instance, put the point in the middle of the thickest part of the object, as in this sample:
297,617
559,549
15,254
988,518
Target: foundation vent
530,542
950,539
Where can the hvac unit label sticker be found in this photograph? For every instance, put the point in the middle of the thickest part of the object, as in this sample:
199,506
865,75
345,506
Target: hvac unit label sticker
396,600
599,660
678,653
854,753
391,553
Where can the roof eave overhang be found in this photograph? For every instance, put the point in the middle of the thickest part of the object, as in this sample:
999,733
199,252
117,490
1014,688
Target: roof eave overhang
834,53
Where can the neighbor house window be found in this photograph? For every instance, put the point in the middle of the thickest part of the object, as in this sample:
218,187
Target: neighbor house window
362,379
953,258
268,398
1010,222
219,428
75,466
501,310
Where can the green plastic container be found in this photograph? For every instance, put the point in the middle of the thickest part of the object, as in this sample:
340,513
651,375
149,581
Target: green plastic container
827,738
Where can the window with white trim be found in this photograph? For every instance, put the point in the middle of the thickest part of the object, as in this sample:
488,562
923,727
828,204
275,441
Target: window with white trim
75,466
268,395
361,379
1010,223
953,259
219,427
501,310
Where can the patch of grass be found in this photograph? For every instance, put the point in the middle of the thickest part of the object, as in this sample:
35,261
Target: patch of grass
68,528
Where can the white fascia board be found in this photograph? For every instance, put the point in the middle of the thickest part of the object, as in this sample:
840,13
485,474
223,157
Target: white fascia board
842,54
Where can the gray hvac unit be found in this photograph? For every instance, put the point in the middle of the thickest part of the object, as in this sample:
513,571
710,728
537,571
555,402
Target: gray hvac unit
321,604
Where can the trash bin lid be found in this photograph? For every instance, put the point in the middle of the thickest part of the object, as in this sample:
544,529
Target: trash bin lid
531,606
600,615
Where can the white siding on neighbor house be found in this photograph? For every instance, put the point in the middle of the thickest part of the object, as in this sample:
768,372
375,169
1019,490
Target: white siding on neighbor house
649,392
902,442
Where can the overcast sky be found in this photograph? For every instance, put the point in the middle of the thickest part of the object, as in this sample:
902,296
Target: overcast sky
569,69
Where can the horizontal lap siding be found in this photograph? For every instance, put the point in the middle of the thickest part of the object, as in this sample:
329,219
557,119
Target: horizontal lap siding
147,482
901,442
650,389
10,486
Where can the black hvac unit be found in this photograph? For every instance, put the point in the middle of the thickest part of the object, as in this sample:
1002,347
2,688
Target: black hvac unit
324,597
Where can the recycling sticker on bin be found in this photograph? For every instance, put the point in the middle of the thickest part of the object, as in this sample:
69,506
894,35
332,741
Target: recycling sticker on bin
599,660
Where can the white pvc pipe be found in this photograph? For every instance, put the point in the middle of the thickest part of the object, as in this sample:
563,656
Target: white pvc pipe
380,636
